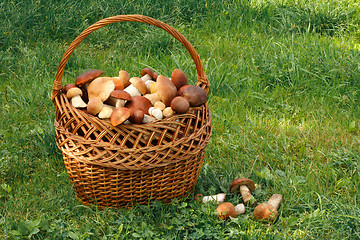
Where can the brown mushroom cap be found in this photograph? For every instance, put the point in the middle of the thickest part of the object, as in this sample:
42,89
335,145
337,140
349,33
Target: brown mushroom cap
119,115
165,89
72,92
179,78
181,89
139,84
195,95
101,87
150,72
68,86
136,116
226,210
265,212
120,94
235,186
138,103
124,77
88,76
180,105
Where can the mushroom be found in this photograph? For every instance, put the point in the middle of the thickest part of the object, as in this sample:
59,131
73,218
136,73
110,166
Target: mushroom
124,77
118,98
148,84
156,113
195,95
94,106
119,85
219,198
165,89
148,119
179,78
245,187
153,98
85,78
136,116
149,72
167,112
240,209
106,111
137,87
138,103
74,94
180,105
268,211
159,105
119,115
101,87
226,210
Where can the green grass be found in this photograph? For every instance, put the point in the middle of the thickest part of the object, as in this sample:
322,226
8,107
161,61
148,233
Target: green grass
284,96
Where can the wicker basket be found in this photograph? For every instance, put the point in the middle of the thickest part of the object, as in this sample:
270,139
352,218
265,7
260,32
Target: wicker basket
138,163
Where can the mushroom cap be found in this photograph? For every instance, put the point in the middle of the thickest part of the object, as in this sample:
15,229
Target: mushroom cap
119,115
149,71
68,86
265,212
180,105
124,77
138,103
101,87
167,112
88,76
181,89
139,84
94,106
226,210
195,95
179,78
120,94
136,116
198,197
159,105
119,85
235,186
72,92
165,89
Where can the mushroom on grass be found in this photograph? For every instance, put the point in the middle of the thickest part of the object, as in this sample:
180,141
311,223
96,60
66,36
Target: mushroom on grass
245,186
226,210
268,211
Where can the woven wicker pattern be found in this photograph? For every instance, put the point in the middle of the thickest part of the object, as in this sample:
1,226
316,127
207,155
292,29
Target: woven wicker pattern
136,163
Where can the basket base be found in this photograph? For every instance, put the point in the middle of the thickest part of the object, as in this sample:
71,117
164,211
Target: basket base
109,187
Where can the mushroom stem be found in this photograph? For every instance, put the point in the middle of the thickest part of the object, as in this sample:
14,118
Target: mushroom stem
240,209
132,90
245,193
77,102
275,200
219,198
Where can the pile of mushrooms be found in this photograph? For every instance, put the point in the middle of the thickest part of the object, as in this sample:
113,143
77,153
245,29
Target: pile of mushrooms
266,212
125,99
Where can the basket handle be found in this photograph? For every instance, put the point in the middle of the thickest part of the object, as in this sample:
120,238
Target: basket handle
201,76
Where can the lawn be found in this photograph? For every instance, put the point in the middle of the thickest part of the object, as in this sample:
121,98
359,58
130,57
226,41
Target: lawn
284,98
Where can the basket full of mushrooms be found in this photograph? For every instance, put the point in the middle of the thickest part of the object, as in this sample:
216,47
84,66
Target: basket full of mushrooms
132,139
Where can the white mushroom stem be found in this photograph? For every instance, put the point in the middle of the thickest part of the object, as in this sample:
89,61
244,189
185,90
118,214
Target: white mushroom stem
156,113
219,198
240,209
132,90
245,193
106,111
153,97
146,78
148,119
275,200
120,103
148,84
77,102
